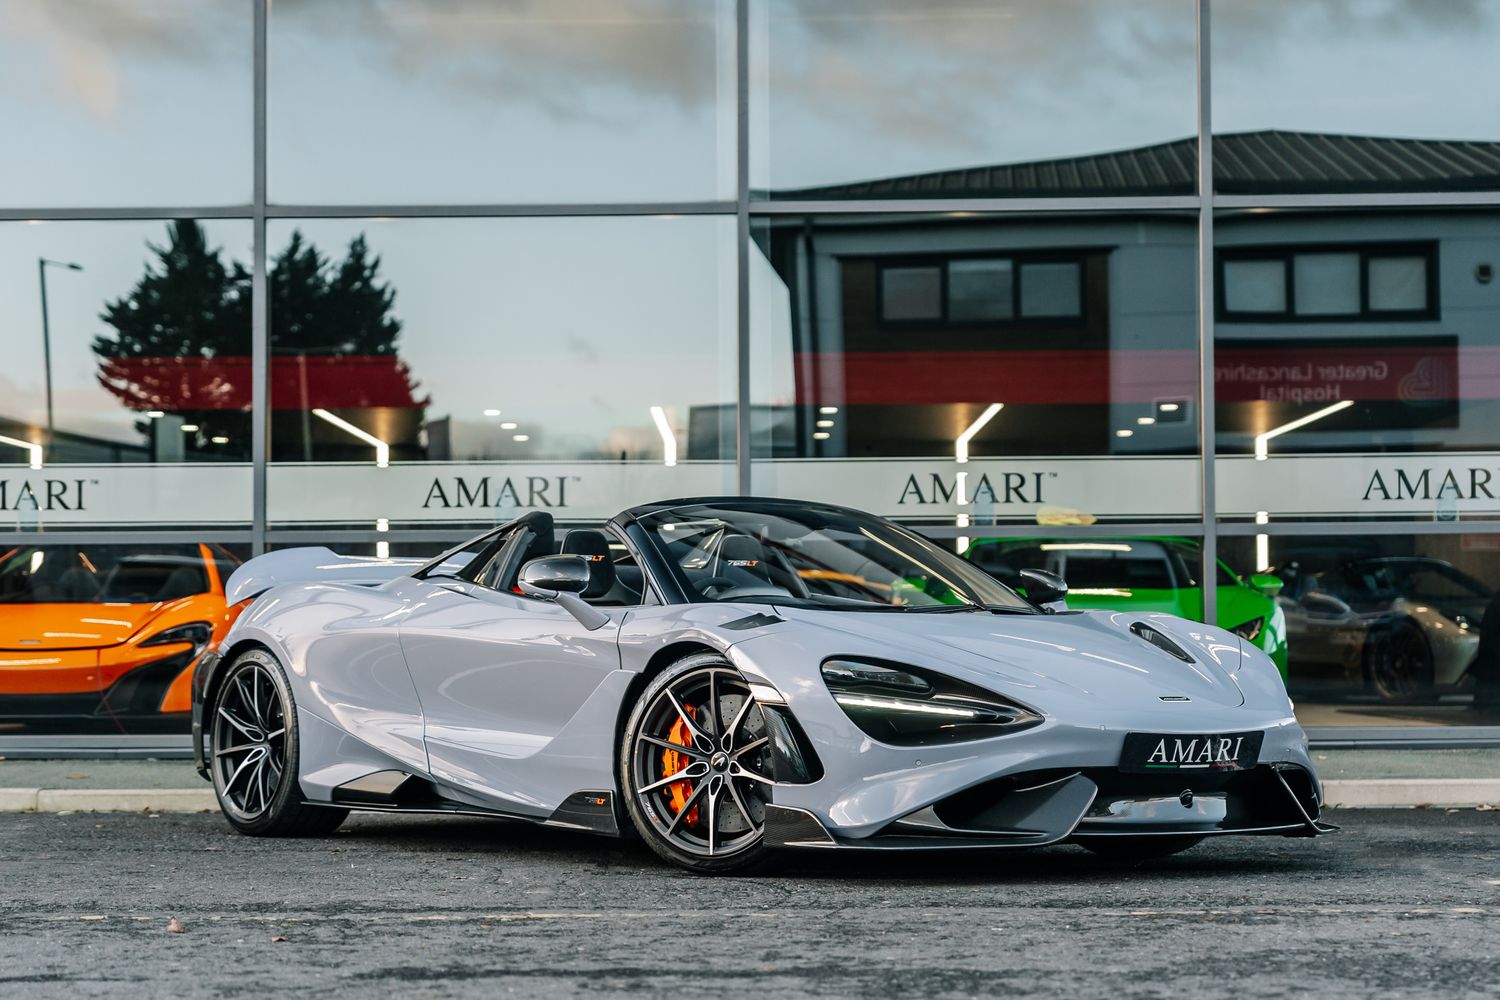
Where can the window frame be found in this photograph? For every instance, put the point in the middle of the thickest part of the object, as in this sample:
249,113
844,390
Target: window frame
1018,261
1287,253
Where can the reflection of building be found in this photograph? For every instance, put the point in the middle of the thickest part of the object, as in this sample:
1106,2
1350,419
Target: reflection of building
905,328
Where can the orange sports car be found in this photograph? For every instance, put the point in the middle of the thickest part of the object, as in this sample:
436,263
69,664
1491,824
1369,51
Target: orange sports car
106,636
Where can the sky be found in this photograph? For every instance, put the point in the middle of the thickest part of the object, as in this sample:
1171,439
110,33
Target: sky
148,103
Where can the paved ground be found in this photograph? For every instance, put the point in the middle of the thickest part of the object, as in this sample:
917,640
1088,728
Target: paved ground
1401,902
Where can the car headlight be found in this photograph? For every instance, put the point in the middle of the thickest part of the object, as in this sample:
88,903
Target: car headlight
908,706
1250,630
197,633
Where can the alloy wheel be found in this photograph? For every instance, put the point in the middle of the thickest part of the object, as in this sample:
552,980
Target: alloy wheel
700,764
249,741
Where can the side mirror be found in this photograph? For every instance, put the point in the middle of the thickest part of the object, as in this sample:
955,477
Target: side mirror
560,579
1265,583
549,576
1045,589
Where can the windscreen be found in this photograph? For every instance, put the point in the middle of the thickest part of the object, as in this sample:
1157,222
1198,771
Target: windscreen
123,574
816,557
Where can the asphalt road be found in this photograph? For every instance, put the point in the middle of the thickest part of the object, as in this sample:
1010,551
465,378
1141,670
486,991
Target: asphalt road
1401,903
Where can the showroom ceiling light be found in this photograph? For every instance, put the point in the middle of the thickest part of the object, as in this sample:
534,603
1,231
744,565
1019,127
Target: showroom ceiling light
520,437
825,423
1169,407
1124,432
189,428
961,443
668,439
155,414
382,450
828,410
33,451
1085,547
509,425
1145,421
219,439
492,412
1261,440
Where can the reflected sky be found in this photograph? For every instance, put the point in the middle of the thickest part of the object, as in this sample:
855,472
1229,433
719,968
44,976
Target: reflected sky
571,328
404,101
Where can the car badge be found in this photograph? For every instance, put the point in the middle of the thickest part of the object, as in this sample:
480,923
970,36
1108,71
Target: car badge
1174,697
31,642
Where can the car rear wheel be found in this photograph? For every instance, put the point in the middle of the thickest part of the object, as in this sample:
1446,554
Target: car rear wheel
1138,848
1400,664
695,770
254,753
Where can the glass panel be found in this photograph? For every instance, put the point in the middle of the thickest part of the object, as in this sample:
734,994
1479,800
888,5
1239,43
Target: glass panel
1084,409
980,290
1380,630
126,398
911,293
1398,284
95,669
1357,95
479,102
1051,290
1255,286
1393,411
1326,283
121,103
461,370
952,99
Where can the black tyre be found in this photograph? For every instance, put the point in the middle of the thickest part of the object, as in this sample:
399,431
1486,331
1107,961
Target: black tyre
253,753
694,767
1138,848
1399,663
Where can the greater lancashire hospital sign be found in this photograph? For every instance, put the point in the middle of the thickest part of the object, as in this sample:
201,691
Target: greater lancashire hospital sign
1112,488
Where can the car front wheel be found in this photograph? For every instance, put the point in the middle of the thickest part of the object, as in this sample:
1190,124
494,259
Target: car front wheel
695,768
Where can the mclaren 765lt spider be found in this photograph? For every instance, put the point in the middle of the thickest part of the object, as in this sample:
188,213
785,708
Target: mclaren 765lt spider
726,677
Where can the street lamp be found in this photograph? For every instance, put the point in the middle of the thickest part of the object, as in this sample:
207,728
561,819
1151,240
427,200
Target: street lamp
41,274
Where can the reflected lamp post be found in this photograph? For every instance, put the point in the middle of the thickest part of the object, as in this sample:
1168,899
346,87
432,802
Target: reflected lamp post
41,274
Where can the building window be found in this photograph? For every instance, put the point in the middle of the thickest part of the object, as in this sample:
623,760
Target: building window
1312,284
981,290
911,293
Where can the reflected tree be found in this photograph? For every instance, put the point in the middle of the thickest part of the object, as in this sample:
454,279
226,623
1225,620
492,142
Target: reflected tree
179,341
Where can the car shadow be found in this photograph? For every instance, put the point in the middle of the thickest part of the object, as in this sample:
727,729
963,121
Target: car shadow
1057,864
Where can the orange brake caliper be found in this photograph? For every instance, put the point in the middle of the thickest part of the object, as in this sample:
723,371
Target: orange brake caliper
672,762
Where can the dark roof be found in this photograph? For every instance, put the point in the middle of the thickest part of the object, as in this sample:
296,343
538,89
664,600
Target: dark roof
1268,162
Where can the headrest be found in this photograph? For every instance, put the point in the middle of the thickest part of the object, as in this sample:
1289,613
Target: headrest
742,552
593,545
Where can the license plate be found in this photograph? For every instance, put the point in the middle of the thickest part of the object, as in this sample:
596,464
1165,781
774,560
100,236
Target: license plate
1158,753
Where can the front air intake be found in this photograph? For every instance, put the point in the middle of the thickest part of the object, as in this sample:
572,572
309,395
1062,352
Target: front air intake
1160,641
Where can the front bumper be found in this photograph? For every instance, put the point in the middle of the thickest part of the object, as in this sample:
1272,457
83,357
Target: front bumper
126,686
1034,809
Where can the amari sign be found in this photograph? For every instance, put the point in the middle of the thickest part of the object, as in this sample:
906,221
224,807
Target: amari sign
1050,490
1443,485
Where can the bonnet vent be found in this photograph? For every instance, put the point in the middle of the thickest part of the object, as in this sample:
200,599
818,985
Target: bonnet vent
1160,641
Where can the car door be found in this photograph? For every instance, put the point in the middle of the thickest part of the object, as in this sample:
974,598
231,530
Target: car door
499,674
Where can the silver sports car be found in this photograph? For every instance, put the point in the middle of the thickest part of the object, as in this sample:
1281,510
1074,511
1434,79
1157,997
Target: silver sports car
729,676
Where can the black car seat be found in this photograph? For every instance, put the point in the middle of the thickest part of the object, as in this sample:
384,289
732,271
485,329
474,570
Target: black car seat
593,546
743,559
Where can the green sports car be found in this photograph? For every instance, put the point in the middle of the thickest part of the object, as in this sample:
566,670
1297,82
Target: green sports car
1142,574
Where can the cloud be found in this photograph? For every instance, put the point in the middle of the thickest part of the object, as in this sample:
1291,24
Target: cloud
87,41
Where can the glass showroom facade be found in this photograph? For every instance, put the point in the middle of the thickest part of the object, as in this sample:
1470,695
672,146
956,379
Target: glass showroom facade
1149,292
